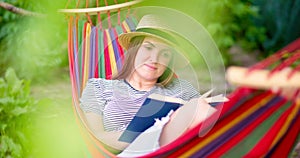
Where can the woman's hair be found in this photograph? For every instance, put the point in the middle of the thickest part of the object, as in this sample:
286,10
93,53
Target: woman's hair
128,67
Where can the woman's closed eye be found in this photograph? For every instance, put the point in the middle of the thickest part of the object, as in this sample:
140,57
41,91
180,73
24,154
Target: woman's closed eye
166,54
148,47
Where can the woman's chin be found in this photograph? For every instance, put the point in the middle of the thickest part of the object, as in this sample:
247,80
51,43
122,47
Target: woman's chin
148,78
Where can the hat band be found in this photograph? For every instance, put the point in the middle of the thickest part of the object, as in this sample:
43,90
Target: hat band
159,33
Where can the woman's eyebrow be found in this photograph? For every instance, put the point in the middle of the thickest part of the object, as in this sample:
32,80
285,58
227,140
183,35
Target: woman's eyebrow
147,42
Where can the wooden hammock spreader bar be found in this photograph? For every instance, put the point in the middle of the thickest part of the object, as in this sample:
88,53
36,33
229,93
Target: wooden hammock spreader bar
94,11
261,79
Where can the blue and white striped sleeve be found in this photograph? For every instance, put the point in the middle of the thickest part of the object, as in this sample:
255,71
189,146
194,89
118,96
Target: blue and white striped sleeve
189,91
183,89
90,100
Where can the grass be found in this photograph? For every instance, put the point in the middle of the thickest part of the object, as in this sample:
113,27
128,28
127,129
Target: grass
55,132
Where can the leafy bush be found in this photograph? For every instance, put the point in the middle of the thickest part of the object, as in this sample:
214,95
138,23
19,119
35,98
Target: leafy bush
8,23
34,46
232,22
16,106
281,20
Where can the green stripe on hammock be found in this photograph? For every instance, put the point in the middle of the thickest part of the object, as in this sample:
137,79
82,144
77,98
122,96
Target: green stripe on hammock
101,63
243,147
80,33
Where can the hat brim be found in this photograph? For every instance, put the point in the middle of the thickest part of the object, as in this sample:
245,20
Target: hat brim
180,60
125,38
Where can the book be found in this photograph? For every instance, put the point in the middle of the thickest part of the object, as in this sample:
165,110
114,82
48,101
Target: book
145,117
157,106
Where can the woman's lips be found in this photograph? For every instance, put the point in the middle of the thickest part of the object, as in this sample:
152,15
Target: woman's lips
151,67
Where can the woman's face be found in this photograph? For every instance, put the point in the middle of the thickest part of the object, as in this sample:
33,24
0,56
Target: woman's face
152,59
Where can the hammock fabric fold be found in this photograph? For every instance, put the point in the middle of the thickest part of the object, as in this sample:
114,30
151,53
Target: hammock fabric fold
254,123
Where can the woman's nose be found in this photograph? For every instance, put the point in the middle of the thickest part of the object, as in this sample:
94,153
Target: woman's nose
154,56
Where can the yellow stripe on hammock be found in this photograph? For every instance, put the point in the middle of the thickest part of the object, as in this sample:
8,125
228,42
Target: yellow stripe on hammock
286,125
126,26
226,127
111,53
86,55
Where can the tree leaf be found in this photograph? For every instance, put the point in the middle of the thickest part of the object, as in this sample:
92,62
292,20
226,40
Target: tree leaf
12,80
19,110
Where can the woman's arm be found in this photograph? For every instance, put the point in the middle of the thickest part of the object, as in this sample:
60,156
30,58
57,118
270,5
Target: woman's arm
92,103
184,118
110,138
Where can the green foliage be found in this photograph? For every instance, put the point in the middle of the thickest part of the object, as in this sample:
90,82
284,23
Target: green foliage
34,46
231,22
8,22
240,27
16,107
281,20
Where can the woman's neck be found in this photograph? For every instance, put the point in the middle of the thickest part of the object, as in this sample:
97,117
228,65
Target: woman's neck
140,84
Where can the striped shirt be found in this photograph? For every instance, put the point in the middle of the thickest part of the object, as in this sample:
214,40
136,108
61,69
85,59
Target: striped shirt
117,101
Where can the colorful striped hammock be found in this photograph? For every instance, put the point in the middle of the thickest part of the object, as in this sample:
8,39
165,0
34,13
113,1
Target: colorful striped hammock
254,123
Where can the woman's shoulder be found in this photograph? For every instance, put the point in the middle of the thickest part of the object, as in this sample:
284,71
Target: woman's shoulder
99,80
100,86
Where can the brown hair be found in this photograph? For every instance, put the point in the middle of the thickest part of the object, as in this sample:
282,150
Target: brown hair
128,67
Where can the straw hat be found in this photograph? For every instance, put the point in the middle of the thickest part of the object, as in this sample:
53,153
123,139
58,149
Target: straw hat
153,26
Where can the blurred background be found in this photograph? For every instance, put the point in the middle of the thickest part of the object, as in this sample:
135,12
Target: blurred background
36,115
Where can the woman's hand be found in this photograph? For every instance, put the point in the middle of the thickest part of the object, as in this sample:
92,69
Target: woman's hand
193,112
184,118
202,111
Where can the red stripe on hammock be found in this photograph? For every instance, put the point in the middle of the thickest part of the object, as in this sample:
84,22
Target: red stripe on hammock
263,146
286,63
72,58
96,73
242,134
292,46
276,56
76,58
123,28
287,143
108,71
70,45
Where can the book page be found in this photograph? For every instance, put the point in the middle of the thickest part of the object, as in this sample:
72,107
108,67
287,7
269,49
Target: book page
212,99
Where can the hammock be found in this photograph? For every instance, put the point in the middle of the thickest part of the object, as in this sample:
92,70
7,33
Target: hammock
254,123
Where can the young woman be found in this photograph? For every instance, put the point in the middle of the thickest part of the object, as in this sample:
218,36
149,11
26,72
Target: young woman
110,105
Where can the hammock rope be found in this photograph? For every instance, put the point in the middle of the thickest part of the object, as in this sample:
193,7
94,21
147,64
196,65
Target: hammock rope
254,123
270,72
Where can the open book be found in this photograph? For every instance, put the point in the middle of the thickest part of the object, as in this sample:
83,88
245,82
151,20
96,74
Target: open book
157,106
